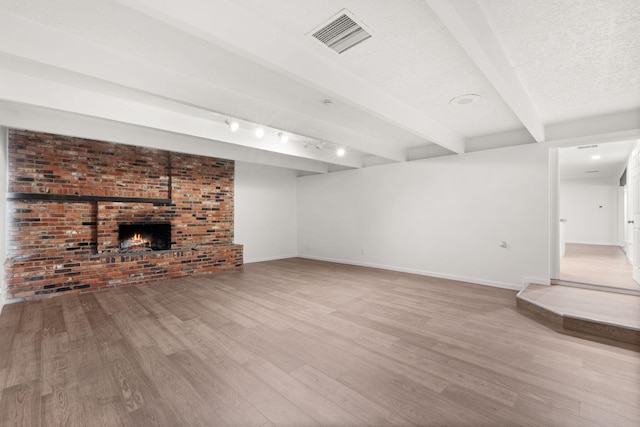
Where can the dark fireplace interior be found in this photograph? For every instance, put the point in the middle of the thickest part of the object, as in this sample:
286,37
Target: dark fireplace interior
141,237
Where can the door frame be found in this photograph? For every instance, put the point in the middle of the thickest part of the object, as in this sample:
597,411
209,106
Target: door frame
554,187
554,220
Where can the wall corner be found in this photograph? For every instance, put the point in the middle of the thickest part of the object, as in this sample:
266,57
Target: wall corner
3,210
527,280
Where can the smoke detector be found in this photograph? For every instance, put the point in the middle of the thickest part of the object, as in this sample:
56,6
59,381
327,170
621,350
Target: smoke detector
341,32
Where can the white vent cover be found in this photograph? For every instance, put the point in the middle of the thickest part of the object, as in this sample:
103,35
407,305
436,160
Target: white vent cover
341,32
582,147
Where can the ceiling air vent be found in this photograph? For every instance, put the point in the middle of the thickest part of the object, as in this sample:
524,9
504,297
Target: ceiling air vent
342,32
582,147
592,171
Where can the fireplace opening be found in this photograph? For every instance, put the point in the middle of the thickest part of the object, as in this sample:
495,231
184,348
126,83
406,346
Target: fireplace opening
144,237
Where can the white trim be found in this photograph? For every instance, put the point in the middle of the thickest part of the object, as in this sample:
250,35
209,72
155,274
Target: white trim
603,288
471,280
526,280
269,258
554,214
1,302
595,243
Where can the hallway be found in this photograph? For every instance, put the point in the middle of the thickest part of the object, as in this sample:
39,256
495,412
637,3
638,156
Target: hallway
598,265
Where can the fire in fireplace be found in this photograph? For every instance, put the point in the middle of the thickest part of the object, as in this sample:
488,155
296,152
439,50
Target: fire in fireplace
142,237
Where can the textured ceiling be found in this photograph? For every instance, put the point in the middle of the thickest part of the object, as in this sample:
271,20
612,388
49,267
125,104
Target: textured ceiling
237,86
578,163
411,56
576,58
543,68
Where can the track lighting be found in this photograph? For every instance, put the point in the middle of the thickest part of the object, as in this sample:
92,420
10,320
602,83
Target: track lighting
259,132
284,138
233,124
320,145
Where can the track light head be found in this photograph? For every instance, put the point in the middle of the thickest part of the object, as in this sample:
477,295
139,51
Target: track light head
233,124
284,138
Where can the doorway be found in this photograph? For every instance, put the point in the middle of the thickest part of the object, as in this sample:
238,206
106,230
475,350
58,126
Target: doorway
596,208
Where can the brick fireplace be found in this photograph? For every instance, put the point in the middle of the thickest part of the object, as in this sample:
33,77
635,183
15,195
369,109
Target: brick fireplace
70,198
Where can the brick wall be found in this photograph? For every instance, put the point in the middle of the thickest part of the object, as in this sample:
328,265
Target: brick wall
69,246
46,163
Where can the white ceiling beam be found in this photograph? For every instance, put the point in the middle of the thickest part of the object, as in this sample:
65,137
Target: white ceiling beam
40,119
604,124
22,38
468,24
227,24
32,91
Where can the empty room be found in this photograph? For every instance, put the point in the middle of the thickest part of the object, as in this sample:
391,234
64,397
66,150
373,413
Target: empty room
320,213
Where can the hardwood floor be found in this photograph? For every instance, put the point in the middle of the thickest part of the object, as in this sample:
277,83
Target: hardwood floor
299,342
605,307
615,316
597,264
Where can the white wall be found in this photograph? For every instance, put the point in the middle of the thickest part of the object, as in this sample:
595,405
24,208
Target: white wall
265,211
590,206
3,209
443,217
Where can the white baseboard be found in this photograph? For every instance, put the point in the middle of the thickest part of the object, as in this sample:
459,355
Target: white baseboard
537,280
595,243
420,272
271,258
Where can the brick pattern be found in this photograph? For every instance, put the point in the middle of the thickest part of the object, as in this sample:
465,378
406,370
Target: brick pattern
42,277
46,163
40,229
60,247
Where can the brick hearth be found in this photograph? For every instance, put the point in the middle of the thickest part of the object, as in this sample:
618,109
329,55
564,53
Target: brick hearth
62,246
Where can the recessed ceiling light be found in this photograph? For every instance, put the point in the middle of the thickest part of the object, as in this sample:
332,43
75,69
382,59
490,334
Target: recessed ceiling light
259,132
596,157
468,98
340,152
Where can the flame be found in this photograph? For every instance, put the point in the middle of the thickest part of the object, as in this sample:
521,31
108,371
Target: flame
137,239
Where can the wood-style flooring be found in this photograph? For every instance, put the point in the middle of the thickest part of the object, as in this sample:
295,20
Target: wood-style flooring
596,305
597,264
594,314
298,342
